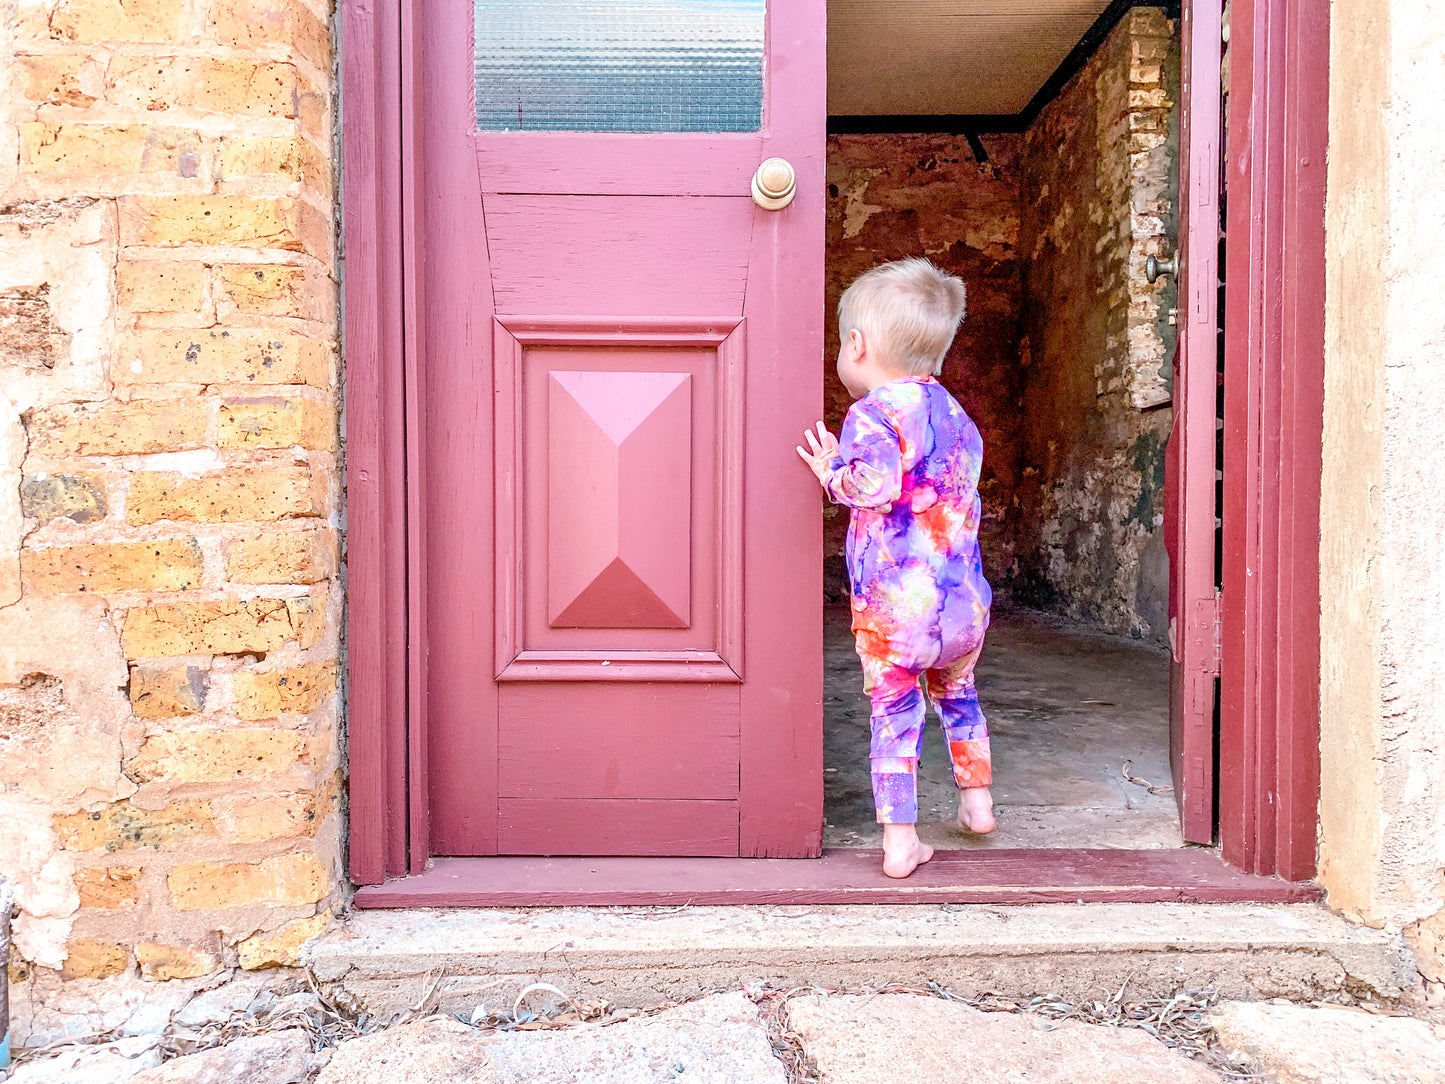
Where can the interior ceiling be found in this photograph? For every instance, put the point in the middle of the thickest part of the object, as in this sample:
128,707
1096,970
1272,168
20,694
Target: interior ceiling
948,56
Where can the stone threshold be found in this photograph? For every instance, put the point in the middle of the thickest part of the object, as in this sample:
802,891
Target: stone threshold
386,961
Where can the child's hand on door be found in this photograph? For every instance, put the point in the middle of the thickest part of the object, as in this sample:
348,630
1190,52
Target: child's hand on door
823,449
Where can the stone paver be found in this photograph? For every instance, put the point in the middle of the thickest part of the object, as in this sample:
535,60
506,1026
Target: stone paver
438,1050
1300,1044
111,1063
717,1040
923,1040
283,1057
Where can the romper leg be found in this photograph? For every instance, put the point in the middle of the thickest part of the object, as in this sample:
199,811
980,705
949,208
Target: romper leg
897,723
951,689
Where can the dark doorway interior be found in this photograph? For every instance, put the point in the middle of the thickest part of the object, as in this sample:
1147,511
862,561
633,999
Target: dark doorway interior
1064,363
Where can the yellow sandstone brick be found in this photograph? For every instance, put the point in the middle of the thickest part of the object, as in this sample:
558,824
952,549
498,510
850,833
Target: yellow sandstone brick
280,816
79,497
112,888
226,627
119,20
158,691
139,427
308,619
162,962
103,158
205,755
268,289
284,948
223,357
233,495
228,85
87,959
293,156
160,286
54,80
274,22
277,423
282,222
281,881
121,826
292,557
172,564
269,693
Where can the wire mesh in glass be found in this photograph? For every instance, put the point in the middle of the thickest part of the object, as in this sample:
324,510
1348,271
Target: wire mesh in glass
619,65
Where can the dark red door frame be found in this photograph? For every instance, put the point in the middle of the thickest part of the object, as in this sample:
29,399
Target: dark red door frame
1273,417
1269,777
385,550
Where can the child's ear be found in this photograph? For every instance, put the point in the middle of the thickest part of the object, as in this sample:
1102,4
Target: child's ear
857,345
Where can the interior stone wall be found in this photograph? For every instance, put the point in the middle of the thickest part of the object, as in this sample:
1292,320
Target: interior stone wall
1063,357
1097,174
170,497
891,196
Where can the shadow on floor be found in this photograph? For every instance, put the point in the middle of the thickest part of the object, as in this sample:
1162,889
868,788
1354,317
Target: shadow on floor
1067,708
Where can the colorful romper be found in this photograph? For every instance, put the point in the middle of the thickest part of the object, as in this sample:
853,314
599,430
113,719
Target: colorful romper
907,465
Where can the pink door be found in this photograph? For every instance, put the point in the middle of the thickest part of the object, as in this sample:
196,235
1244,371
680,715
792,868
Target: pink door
620,347
1192,456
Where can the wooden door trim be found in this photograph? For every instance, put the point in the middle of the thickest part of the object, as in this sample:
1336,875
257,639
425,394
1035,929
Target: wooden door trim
1273,414
379,697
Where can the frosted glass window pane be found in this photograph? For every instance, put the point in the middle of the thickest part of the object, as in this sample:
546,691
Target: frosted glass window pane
619,65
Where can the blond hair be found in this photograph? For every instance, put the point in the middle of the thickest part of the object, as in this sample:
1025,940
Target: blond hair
907,310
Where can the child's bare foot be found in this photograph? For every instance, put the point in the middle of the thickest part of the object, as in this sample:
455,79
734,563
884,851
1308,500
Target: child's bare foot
903,851
975,811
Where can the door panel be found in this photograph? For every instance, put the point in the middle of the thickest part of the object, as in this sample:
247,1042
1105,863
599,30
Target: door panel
618,256
618,479
618,827
1192,453
572,742
623,593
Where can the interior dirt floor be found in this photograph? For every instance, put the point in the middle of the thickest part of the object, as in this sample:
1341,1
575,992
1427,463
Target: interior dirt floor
1067,707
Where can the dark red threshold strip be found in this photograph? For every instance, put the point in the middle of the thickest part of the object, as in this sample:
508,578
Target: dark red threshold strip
1188,875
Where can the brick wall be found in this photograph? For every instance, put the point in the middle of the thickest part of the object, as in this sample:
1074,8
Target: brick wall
891,196
1098,169
169,486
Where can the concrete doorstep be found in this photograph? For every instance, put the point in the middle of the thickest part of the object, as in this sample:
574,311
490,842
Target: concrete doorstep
381,963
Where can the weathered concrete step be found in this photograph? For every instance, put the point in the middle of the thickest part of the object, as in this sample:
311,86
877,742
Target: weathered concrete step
636,957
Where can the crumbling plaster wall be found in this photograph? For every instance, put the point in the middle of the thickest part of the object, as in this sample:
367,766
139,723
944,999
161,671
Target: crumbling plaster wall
169,491
1098,171
891,196
1382,563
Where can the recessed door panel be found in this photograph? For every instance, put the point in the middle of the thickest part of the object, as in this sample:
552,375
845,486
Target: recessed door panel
619,449
639,827
618,740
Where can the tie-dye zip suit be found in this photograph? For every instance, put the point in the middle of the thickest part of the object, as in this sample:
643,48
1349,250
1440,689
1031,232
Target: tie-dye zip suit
908,465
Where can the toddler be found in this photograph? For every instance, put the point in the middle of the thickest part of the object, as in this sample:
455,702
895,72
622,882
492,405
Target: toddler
907,465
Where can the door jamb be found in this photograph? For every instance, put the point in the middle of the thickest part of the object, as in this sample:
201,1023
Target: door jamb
383,551
1269,779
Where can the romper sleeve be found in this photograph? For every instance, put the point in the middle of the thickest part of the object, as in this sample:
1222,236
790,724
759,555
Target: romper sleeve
868,469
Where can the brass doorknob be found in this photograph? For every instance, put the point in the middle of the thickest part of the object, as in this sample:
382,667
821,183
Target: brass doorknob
774,184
